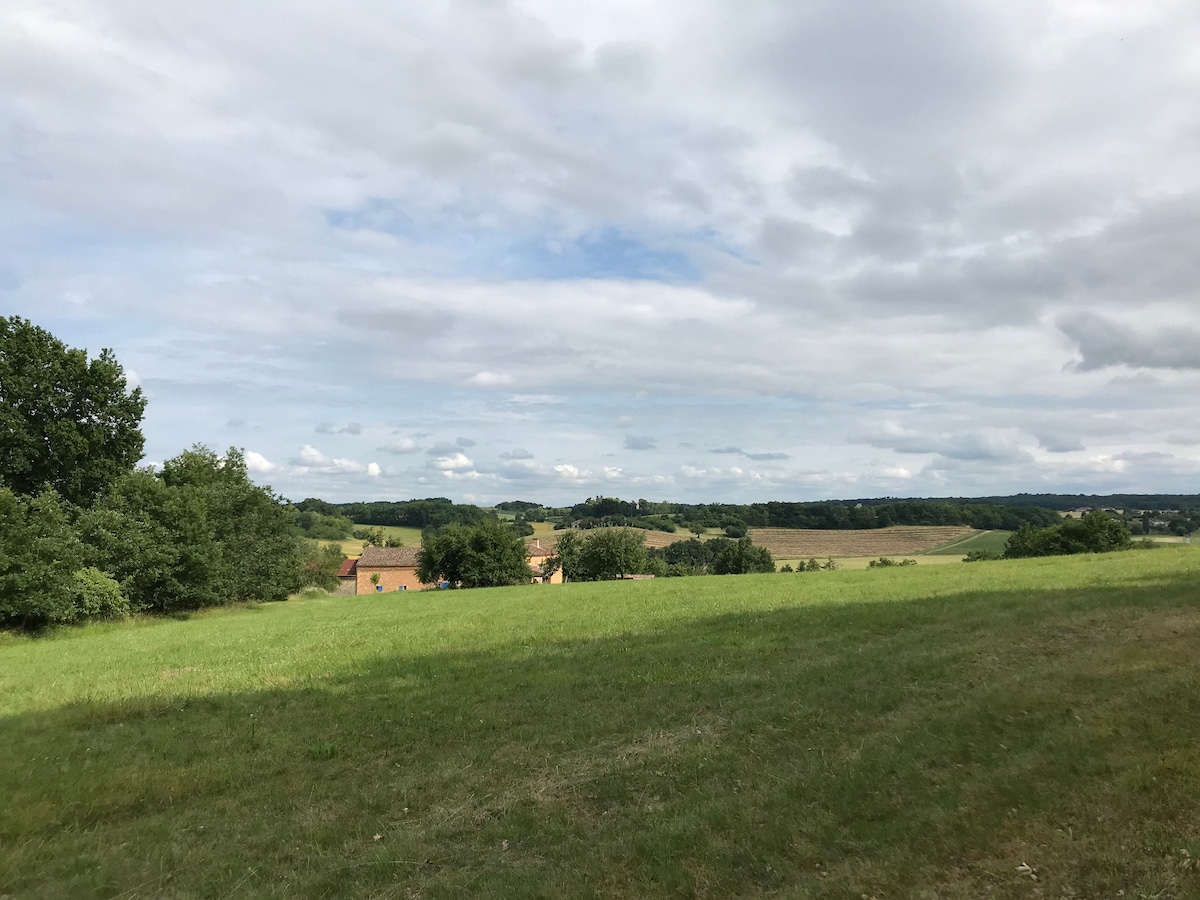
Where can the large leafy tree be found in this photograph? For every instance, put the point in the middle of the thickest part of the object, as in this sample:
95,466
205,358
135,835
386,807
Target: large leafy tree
484,555
69,423
613,553
252,526
742,557
196,534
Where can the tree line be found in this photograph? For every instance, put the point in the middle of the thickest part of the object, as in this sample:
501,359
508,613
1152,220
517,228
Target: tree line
86,534
735,519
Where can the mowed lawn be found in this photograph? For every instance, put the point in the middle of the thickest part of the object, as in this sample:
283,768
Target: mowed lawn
1018,729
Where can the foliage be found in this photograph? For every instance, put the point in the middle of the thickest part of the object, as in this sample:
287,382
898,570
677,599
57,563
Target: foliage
319,565
485,555
311,524
432,513
96,595
69,423
520,529
613,553
885,562
156,541
568,555
39,556
743,557
982,556
1095,532
197,534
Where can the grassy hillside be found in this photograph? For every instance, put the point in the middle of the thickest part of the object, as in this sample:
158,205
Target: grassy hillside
941,731
988,541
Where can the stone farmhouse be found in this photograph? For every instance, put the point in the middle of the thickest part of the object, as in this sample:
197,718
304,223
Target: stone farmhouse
538,555
395,566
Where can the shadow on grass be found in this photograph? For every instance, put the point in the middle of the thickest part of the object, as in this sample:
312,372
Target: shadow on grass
841,750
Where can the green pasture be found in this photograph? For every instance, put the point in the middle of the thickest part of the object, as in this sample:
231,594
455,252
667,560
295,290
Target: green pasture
1019,729
411,537
987,541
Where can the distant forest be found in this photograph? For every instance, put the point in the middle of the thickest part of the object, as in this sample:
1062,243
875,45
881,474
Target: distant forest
999,513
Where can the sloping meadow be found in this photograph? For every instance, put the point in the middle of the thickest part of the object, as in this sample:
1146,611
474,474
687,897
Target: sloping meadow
1011,729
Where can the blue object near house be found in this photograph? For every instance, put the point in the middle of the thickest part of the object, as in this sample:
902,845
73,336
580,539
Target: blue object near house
379,588
444,585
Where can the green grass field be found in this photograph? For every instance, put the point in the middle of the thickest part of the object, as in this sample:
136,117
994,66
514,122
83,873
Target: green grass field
992,541
1022,729
353,546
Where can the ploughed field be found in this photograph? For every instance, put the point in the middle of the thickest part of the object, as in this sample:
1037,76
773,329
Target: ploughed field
797,543
1016,729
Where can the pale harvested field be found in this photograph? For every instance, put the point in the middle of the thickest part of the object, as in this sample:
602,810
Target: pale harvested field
549,540
800,543
864,562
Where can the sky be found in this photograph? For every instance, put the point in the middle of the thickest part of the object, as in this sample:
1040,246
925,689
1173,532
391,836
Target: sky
694,250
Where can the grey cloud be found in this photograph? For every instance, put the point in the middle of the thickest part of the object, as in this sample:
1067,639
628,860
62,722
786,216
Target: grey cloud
517,453
757,457
464,442
637,442
443,448
965,447
1060,443
1103,342
401,447
331,428
405,318
235,423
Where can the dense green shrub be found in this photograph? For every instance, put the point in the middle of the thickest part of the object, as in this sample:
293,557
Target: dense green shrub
742,557
1095,532
39,555
96,595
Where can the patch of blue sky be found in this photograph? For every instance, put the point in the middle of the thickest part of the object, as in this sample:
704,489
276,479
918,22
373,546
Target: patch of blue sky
527,249
605,253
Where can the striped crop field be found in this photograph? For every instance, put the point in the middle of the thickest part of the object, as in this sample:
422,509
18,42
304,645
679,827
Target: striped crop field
797,543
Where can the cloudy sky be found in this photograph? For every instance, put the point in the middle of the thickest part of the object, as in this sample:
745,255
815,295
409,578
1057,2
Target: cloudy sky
701,250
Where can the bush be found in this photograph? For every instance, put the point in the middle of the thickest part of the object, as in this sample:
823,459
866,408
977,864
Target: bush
885,561
39,554
95,595
1095,532
982,556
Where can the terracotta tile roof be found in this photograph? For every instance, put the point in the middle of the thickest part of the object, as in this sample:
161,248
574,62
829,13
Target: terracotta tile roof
383,557
347,568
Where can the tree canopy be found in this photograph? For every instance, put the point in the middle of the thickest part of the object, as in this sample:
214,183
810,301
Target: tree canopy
483,555
69,423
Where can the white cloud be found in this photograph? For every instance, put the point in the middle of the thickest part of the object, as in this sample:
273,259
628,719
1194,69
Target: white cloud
455,461
256,462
